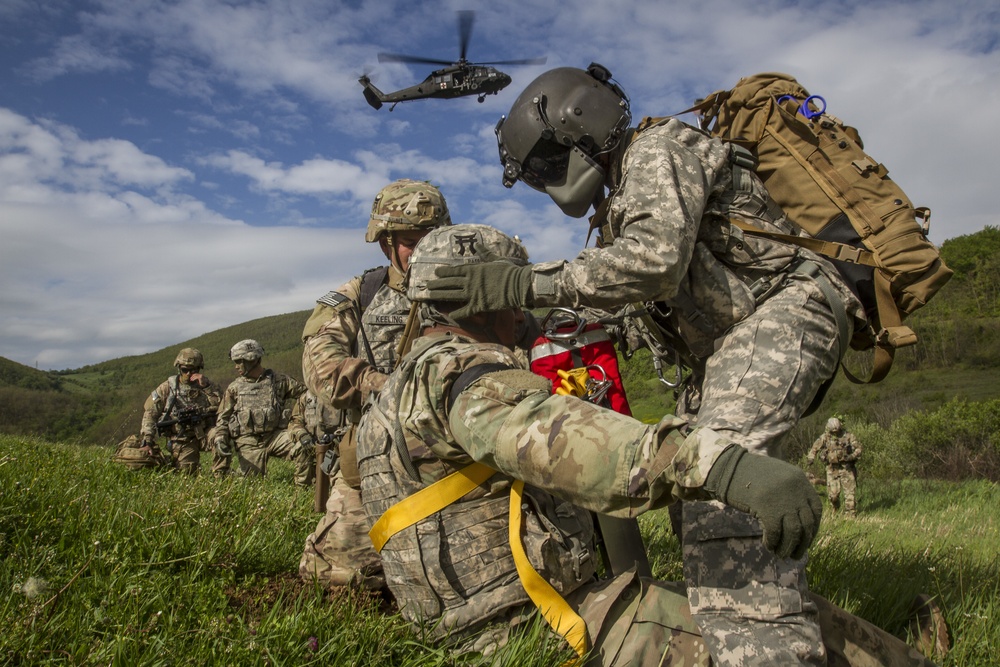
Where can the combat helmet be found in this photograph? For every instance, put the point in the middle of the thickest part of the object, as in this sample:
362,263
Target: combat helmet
557,126
833,425
189,356
456,246
246,350
406,205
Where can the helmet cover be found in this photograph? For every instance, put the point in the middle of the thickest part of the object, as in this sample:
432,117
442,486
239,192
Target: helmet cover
189,356
456,246
407,205
246,350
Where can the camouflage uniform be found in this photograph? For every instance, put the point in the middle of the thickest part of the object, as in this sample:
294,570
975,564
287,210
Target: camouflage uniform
754,319
453,574
250,417
186,441
338,370
839,450
350,347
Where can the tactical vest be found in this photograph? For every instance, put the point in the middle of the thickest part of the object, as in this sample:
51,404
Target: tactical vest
382,324
838,450
258,410
454,571
319,417
187,395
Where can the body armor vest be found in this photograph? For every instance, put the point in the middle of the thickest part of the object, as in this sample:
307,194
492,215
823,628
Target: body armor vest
319,417
454,570
187,395
258,410
382,325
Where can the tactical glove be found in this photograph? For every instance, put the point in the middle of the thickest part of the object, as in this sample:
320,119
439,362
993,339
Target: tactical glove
308,444
776,492
484,287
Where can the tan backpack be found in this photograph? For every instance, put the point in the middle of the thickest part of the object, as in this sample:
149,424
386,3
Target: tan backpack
816,169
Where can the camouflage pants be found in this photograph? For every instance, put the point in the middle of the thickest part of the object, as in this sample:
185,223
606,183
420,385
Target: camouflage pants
186,454
751,606
339,552
642,622
253,453
841,481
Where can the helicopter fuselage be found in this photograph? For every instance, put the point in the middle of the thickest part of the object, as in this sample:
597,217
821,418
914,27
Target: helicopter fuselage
457,81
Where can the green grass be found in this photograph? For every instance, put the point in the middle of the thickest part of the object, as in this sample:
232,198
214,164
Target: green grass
100,565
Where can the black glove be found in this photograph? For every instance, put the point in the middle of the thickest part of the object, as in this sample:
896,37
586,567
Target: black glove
776,492
308,444
484,287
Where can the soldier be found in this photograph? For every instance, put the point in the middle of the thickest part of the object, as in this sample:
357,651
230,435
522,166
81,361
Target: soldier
761,324
478,481
839,450
183,409
249,418
351,342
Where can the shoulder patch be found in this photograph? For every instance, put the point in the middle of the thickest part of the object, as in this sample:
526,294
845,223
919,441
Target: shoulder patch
332,299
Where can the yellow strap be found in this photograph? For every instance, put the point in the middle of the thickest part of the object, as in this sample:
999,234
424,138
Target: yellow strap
556,611
554,608
427,501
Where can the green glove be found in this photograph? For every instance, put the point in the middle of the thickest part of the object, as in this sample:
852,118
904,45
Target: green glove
776,492
484,287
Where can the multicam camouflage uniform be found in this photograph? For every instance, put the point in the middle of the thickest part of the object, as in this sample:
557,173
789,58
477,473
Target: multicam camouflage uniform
350,347
839,450
453,573
337,368
186,441
250,417
754,318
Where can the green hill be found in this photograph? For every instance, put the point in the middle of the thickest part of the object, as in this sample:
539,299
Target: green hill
957,357
102,403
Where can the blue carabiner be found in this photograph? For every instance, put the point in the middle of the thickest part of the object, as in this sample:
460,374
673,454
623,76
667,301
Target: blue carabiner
804,108
809,113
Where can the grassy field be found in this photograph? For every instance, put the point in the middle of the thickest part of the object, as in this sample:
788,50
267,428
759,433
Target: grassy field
101,566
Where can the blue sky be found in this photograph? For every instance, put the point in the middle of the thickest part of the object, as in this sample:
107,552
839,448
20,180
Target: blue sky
170,168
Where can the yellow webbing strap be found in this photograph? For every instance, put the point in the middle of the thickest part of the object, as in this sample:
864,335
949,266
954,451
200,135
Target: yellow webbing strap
554,608
434,498
427,501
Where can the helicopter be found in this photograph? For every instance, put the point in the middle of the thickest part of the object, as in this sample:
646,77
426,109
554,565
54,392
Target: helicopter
457,79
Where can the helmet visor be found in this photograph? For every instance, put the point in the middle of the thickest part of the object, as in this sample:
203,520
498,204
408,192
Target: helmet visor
545,164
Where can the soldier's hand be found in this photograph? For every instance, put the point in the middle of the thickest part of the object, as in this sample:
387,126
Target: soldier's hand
308,444
777,493
484,287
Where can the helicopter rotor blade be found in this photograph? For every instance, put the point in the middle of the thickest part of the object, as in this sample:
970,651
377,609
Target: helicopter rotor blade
400,58
465,19
522,61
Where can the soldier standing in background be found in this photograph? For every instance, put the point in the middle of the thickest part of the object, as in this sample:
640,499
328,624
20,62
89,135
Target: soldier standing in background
351,342
183,409
249,418
839,450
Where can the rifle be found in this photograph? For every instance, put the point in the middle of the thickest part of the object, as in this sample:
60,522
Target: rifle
189,416
323,475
